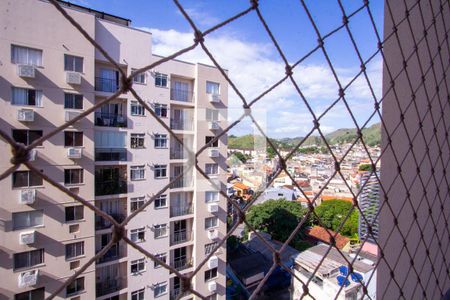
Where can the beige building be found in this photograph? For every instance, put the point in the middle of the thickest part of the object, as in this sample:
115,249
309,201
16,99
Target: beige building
117,158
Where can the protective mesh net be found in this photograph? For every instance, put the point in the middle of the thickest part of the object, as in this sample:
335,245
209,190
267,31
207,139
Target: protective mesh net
427,37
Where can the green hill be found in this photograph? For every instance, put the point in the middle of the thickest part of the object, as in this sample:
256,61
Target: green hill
371,135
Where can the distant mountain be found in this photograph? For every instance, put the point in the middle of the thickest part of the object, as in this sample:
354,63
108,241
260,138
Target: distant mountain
371,136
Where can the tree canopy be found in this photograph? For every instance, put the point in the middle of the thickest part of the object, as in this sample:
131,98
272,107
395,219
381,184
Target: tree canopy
333,212
276,217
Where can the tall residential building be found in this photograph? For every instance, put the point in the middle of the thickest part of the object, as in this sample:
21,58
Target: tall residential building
369,202
117,158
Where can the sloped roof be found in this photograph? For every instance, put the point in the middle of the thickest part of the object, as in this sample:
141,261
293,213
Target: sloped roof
323,235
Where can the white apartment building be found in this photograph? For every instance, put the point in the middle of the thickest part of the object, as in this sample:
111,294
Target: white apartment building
117,158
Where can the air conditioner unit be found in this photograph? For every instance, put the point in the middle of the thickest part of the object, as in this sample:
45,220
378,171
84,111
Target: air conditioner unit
25,115
212,286
33,154
73,78
74,152
27,196
27,238
214,153
213,234
70,115
213,262
28,278
214,125
214,98
213,207
25,71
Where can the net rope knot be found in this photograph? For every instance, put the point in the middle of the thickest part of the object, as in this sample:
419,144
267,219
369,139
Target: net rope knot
20,154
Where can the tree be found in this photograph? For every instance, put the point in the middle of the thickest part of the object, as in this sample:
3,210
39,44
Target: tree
365,167
333,212
276,217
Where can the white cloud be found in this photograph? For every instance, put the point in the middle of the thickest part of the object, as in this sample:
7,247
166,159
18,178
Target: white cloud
201,17
254,67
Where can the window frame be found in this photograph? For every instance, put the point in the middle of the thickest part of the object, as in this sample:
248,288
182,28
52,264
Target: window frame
137,140
78,250
161,256
211,274
75,138
211,167
137,235
159,199
160,231
160,79
216,198
136,201
73,99
27,48
211,115
159,169
69,174
163,291
30,294
139,76
30,178
37,97
137,170
138,295
28,212
137,109
77,285
73,67
209,138
209,247
75,213
30,260
161,141
138,263
160,108
38,133
209,222
208,83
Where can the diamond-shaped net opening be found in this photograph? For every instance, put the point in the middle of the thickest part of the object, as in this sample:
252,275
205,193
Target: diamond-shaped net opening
414,228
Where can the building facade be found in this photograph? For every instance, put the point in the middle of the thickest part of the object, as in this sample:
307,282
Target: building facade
369,202
117,158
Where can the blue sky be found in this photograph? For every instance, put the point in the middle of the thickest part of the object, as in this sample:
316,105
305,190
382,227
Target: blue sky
244,48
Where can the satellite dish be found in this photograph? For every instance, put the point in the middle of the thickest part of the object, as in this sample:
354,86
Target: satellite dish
342,281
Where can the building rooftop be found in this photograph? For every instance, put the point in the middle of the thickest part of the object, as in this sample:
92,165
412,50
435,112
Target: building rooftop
323,235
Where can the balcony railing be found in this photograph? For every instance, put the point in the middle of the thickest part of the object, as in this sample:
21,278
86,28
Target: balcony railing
110,187
178,124
181,236
110,120
115,252
180,183
101,223
176,211
176,292
109,286
106,85
181,95
110,154
176,154
181,263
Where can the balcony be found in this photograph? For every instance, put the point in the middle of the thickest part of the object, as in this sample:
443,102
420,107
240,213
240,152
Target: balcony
176,211
181,95
109,286
181,236
177,293
106,85
115,252
181,263
180,183
101,223
110,187
110,154
110,120
181,124
177,154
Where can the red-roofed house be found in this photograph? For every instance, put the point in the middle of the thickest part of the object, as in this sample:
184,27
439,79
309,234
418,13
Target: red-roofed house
322,235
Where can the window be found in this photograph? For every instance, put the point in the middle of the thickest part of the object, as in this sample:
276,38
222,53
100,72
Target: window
210,247
137,235
73,176
74,213
210,274
160,230
73,138
137,140
21,96
160,171
137,109
160,80
212,169
75,287
73,63
211,196
27,219
28,259
74,250
137,172
209,139
212,88
212,114
26,137
74,101
110,139
163,257
211,222
26,56
26,179
161,110
160,141
161,201
137,265
139,78
138,295
136,203
37,294
160,289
